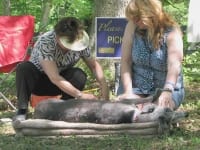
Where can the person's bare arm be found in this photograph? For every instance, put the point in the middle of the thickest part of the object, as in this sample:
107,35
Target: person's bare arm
51,70
126,59
174,61
97,70
126,63
175,55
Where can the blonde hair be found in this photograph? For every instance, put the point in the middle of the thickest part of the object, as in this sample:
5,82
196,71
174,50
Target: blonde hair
153,16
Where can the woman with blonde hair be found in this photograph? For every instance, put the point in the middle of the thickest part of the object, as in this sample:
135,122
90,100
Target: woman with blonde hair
152,53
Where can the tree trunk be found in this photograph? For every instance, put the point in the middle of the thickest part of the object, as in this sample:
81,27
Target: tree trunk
111,8
47,4
107,8
6,7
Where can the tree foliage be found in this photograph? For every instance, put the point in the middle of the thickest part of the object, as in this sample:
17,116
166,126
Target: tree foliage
178,9
84,9
81,9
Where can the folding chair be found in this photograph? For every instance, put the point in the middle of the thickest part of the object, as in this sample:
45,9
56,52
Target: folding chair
16,33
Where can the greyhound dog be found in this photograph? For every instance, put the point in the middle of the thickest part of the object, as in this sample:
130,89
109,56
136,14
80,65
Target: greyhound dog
104,112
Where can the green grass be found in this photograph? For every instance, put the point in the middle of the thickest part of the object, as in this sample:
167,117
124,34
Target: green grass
184,137
179,139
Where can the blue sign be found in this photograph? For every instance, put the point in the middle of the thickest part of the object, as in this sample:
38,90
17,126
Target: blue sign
109,33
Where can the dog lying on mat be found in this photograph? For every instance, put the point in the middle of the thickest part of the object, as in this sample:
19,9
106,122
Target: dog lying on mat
104,112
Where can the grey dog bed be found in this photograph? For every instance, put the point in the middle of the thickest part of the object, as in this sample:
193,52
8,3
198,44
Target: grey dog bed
43,127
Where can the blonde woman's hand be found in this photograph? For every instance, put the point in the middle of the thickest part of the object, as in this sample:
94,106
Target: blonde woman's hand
126,96
165,100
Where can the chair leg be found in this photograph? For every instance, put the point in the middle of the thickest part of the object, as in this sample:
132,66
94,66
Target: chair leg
8,101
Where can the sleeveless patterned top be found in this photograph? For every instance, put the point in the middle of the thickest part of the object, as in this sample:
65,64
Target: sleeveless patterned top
46,48
150,65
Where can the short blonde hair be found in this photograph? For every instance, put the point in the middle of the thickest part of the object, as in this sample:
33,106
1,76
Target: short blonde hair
153,16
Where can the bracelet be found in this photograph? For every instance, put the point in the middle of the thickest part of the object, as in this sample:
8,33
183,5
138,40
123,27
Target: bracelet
167,90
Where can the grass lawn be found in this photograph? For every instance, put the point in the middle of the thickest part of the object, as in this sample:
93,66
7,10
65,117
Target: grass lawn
184,137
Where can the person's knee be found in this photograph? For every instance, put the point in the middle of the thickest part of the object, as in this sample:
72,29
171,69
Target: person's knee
23,66
74,74
26,69
79,78
80,74
76,77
